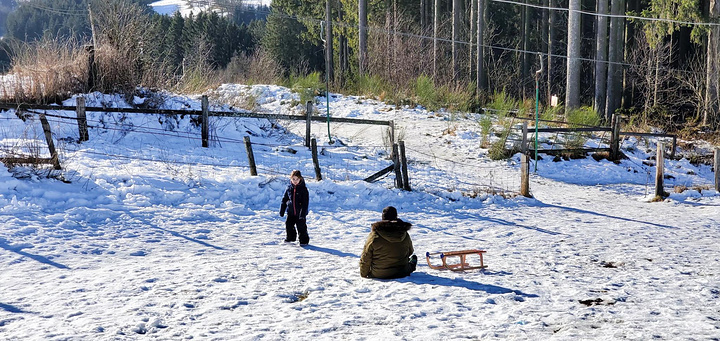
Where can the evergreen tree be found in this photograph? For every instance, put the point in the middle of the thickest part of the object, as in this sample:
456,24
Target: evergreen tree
34,19
6,6
286,39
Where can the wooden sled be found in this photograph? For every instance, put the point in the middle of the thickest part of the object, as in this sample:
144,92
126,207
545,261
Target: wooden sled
456,266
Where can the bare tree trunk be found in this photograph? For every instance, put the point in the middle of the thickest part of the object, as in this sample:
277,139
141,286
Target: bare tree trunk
615,53
572,89
525,46
329,41
471,35
480,63
395,38
552,21
342,52
601,66
362,14
713,68
456,9
422,17
436,26
544,32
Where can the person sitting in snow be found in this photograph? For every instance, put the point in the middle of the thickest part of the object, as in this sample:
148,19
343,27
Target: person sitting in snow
388,249
295,202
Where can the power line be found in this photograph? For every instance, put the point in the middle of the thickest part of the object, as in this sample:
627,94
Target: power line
622,16
39,7
376,29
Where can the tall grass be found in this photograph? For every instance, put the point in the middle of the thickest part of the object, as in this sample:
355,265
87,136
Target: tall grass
47,70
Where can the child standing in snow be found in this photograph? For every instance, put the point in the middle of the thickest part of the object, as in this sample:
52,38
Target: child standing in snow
295,202
388,251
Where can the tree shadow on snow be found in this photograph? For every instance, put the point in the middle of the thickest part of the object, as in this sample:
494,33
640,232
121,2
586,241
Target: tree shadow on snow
177,234
41,259
12,309
331,251
426,278
578,210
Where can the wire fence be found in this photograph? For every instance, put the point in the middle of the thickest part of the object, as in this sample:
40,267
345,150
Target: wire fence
469,176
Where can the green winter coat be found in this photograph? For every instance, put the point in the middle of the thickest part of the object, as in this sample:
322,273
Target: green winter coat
387,250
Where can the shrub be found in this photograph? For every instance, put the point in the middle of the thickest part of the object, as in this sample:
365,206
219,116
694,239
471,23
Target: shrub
372,86
583,116
308,86
502,104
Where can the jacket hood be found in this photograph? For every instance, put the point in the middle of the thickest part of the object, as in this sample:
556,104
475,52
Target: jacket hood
392,230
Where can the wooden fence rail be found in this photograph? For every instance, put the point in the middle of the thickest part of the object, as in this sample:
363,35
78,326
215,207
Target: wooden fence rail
80,109
614,146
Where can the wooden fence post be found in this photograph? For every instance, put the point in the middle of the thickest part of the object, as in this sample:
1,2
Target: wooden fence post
313,142
308,113
82,119
205,130
92,68
396,167
717,169
51,145
251,157
392,132
674,146
403,165
525,175
615,138
659,170
524,146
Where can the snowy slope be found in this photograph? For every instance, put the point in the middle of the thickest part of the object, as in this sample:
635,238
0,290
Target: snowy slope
153,237
169,7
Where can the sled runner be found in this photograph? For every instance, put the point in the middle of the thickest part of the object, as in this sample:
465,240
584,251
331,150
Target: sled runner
454,266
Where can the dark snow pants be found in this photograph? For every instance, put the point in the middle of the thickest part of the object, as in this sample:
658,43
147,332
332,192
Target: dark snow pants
290,224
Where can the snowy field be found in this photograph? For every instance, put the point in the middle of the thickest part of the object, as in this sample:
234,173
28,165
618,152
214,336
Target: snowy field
169,7
151,236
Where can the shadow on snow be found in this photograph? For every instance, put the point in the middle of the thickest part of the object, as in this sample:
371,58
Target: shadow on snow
426,278
41,259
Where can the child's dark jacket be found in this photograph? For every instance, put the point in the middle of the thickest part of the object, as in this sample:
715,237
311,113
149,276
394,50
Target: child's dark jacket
296,199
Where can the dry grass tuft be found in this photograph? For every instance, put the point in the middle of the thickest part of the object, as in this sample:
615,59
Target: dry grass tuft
47,70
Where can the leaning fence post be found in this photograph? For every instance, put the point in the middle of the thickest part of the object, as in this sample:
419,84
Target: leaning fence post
205,127
396,167
313,142
308,113
717,169
51,145
659,169
403,166
251,157
525,175
82,119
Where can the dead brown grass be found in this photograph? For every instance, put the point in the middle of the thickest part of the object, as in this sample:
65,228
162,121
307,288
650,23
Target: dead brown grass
47,70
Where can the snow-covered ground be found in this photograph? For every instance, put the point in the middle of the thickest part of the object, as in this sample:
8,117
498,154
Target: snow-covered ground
169,7
151,236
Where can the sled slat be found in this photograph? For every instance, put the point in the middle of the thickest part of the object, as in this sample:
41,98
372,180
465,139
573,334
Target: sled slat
462,265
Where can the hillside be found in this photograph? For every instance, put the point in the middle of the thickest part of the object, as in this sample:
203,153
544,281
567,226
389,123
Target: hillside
151,235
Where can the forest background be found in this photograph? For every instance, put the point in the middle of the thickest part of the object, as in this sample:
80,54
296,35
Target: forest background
655,62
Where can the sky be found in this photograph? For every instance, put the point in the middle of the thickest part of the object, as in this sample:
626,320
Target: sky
145,234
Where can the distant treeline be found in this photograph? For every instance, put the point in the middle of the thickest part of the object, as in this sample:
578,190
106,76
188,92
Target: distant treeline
169,40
